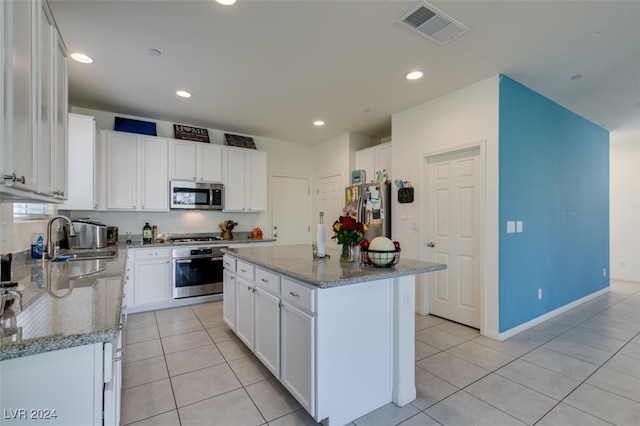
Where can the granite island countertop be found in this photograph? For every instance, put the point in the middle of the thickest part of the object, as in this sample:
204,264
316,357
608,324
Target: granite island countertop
296,261
63,304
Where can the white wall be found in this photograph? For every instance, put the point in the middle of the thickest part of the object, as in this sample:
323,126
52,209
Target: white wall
462,118
337,156
624,204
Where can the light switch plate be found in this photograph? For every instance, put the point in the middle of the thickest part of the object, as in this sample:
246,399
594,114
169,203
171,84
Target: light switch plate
511,227
519,226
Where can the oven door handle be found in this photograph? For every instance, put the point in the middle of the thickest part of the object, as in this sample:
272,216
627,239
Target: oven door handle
183,261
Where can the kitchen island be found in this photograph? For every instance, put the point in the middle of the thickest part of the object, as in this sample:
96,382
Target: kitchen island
339,336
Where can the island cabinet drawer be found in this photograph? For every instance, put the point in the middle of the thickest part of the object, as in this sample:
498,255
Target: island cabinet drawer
298,294
152,253
245,270
229,263
268,280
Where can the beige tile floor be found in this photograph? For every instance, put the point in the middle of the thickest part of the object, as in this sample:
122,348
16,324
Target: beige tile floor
183,366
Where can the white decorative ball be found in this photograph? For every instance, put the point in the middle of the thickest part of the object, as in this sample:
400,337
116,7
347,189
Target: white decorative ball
381,244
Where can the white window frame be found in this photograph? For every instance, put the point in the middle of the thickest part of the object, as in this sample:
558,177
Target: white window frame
25,212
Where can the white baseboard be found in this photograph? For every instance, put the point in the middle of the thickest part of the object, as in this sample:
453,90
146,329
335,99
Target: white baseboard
627,280
542,318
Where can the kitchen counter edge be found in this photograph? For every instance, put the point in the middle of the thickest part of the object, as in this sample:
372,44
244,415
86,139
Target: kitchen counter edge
335,273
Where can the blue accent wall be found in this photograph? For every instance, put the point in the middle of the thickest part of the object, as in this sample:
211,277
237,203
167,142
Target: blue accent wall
554,177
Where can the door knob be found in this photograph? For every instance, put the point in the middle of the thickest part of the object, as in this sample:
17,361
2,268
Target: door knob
430,244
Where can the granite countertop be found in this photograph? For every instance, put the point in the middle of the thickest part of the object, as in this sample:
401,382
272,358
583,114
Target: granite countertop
239,238
296,261
63,304
67,304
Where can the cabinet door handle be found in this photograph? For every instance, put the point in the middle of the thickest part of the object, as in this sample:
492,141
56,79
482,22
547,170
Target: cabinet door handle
12,177
243,270
294,294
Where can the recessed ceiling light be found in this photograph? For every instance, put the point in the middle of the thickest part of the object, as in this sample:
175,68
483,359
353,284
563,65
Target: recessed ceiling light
318,123
414,75
226,2
81,57
183,94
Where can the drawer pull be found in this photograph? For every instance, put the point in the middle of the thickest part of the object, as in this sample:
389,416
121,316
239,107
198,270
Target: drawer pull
243,270
294,294
264,280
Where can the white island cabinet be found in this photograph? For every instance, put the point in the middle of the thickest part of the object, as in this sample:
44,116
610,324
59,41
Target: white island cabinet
329,332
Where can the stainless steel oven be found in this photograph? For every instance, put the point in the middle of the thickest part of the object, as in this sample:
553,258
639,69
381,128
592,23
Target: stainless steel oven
197,271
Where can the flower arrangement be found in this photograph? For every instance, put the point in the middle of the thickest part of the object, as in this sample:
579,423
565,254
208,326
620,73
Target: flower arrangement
348,231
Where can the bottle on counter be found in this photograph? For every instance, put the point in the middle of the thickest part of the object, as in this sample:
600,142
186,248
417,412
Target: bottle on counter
147,234
154,233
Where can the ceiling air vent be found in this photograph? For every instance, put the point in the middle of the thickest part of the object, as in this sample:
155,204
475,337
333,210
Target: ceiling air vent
433,23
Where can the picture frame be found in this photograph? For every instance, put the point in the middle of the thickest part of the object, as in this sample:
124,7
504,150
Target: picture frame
239,141
191,133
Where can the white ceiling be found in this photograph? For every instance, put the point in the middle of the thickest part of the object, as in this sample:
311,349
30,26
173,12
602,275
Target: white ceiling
270,68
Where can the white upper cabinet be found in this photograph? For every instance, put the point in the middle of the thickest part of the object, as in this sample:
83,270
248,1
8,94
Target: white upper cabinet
152,166
196,161
83,176
245,180
136,172
59,120
33,119
373,159
19,143
121,170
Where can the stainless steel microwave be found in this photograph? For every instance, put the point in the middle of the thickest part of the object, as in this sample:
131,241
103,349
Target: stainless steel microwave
189,195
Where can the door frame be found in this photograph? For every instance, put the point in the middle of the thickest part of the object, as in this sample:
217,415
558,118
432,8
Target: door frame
423,285
309,204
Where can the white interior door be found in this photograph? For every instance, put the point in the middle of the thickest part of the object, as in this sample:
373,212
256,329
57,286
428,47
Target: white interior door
330,201
455,206
290,208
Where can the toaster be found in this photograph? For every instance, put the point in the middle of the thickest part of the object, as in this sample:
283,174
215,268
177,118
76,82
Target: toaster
89,235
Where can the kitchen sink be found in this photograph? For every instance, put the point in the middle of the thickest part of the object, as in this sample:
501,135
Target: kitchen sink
85,255
85,267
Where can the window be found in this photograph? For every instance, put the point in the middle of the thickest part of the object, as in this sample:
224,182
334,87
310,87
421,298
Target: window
32,211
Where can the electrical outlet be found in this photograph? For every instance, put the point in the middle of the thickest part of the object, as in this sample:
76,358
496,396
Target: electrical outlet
539,294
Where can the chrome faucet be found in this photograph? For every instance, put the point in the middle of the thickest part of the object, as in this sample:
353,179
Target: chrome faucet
51,244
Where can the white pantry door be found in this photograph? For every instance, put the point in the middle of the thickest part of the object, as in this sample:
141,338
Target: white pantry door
330,201
454,235
290,207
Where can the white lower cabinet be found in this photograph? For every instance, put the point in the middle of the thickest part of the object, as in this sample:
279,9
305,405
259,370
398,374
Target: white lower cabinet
245,310
229,291
63,387
151,276
267,329
278,327
298,355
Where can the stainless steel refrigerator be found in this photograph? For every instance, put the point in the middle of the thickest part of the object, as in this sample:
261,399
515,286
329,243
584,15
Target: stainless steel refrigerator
372,202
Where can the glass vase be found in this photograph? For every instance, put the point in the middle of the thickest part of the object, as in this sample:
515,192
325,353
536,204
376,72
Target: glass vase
348,254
